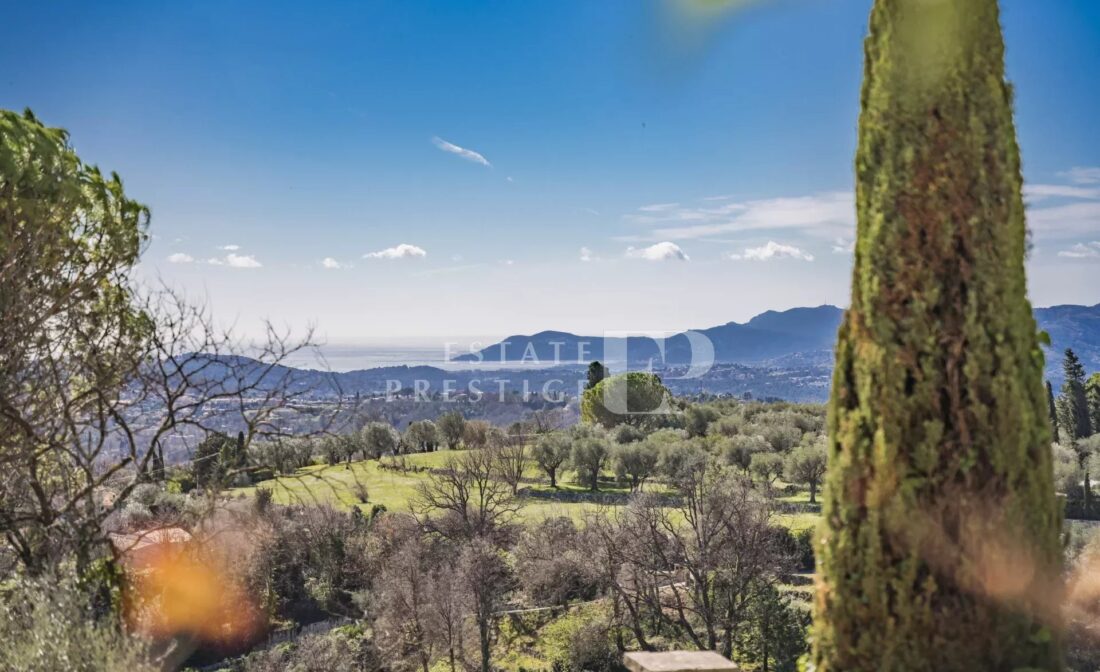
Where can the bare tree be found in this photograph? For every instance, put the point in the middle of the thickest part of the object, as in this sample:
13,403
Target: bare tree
406,627
692,568
465,499
509,459
486,579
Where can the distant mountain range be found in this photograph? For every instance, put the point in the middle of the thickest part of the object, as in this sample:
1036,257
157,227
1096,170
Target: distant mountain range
771,338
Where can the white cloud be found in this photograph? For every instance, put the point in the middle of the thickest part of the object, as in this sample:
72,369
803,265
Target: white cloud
1082,175
844,245
333,264
827,215
508,262
1066,220
468,154
1082,251
241,261
180,258
773,250
1038,192
230,248
658,207
586,254
402,251
663,251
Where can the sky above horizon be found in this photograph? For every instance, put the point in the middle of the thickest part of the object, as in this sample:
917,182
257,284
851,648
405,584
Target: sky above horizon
392,171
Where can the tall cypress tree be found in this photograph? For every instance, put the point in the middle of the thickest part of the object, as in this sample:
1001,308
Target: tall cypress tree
1052,411
940,475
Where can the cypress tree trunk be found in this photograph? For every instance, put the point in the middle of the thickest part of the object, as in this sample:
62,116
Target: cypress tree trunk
939,545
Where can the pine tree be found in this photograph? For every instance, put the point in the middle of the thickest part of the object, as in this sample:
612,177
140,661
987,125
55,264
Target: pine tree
1092,396
1073,408
1052,411
940,460
596,373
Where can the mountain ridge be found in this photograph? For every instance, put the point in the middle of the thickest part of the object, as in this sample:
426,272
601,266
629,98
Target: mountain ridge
767,337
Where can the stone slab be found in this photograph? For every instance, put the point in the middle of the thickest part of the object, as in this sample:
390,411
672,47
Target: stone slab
677,661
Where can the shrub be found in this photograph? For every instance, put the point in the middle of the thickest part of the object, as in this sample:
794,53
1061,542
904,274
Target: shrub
50,624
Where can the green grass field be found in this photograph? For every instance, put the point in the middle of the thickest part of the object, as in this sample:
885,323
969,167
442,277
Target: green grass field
339,486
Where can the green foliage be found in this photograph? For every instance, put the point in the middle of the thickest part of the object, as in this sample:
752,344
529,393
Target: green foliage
775,634
698,418
939,439
635,462
380,438
422,436
550,452
596,373
1073,407
589,455
208,464
806,465
635,398
1092,397
766,467
451,426
52,623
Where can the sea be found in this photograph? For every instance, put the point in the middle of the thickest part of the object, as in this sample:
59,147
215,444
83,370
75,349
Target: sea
352,357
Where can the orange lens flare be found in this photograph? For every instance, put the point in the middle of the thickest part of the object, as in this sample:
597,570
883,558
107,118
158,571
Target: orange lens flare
176,593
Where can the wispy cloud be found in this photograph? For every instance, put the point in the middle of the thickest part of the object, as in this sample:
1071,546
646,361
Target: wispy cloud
658,207
402,251
1082,175
1077,208
844,245
1082,251
773,250
229,248
663,251
468,154
180,258
1038,192
586,254
826,215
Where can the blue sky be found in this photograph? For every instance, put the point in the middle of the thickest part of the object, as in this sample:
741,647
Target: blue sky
642,166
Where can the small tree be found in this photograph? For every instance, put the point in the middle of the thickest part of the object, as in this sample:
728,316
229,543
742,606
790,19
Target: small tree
1073,408
380,438
596,373
550,452
767,467
589,457
422,436
207,466
510,459
475,434
698,418
635,462
451,426
774,637
485,575
807,465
